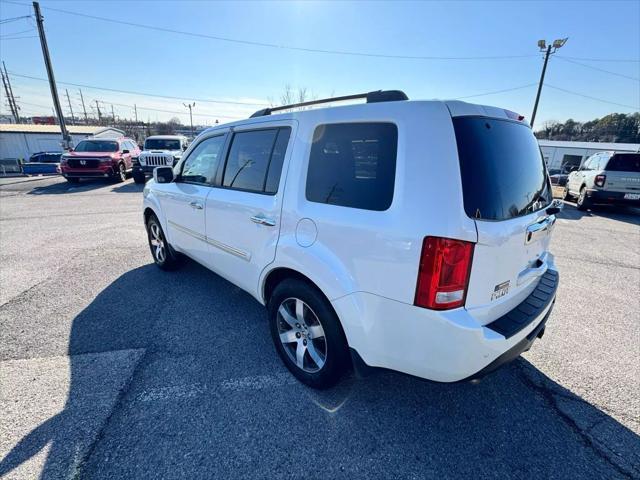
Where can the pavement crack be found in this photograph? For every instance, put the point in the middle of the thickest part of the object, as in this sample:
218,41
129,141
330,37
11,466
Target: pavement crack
117,406
549,395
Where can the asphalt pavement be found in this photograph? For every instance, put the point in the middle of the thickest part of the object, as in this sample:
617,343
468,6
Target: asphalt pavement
111,368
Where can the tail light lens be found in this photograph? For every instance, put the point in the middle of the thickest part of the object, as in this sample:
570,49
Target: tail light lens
599,180
443,276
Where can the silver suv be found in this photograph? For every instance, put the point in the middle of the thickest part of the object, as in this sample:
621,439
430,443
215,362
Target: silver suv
606,178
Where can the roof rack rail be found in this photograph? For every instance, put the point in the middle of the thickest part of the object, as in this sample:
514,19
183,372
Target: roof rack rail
372,97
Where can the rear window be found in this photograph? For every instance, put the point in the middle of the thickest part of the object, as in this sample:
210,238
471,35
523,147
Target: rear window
503,172
625,162
353,165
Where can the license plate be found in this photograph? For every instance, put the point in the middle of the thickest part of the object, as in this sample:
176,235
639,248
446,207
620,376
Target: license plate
632,196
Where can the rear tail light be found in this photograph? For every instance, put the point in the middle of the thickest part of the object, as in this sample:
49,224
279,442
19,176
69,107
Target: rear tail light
599,180
443,276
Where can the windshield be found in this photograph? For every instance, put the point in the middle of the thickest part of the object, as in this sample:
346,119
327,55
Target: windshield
503,172
97,146
624,162
161,144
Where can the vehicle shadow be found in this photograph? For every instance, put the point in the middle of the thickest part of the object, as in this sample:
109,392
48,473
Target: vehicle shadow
210,399
626,215
63,187
128,187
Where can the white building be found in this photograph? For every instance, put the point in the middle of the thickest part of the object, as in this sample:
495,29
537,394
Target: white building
21,141
560,154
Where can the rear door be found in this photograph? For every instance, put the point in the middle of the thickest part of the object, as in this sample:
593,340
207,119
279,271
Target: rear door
243,211
506,192
623,174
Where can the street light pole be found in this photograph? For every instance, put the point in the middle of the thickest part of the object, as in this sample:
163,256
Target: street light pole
551,49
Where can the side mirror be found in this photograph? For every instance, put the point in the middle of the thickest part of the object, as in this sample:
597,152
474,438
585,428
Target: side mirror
125,151
163,174
184,147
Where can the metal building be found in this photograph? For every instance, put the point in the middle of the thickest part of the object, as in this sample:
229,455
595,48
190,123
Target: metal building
22,141
561,155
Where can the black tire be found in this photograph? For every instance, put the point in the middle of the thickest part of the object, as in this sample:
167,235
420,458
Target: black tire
566,195
170,259
583,202
73,180
139,177
317,310
121,174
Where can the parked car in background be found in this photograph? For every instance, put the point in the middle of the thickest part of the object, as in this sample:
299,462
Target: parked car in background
366,247
43,163
606,178
159,151
559,176
99,158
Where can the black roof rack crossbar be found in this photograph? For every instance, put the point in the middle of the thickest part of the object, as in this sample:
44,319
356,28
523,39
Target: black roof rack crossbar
372,97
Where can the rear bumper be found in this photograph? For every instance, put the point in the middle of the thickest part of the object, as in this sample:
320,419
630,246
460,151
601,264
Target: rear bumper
611,198
447,346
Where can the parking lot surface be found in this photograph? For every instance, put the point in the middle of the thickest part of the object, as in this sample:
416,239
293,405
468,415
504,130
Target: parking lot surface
111,368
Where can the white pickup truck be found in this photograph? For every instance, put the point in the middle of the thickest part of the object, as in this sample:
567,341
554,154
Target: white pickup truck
159,151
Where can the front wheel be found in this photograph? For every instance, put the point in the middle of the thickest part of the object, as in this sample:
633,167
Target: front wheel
121,173
73,180
307,334
566,195
163,255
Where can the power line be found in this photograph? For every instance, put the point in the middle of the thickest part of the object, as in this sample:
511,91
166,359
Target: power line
622,60
18,38
593,98
131,92
497,91
8,20
13,34
599,69
281,47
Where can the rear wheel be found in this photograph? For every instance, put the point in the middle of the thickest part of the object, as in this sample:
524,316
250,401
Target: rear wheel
307,334
138,177
163,255
583,201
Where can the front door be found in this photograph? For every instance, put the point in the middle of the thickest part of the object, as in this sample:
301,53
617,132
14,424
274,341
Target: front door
243,214
184,200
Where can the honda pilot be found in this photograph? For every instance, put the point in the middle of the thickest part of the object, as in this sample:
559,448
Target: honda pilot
396,234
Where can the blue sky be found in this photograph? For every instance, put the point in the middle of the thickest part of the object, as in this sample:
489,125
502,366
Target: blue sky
117,56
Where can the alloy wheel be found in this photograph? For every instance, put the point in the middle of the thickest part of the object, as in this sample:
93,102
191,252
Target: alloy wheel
157,242
301,335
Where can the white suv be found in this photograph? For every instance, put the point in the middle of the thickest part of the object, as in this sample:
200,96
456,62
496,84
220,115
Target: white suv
159,151
408,235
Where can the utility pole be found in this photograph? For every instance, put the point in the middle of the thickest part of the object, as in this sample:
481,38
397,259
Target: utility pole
12,100
135,111
190,106
113,115
99,113
16,118
86,118
73,120
66,138
549,50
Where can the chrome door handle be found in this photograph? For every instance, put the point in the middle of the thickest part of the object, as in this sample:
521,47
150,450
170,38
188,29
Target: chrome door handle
196,205
261,220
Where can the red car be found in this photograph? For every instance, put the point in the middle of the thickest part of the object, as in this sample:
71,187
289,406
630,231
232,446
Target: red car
99,158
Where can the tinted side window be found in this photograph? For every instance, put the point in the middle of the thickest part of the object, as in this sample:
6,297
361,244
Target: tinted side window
248,160
203,161
624,162
353,165
277,158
